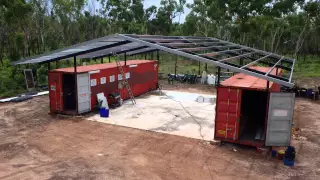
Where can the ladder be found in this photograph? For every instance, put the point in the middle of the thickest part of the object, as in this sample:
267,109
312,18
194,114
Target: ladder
126,83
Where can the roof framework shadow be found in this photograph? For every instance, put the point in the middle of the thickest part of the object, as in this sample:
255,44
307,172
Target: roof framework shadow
224,54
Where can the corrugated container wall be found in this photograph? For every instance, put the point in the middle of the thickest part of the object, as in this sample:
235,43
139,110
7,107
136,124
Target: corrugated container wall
242,109
142,76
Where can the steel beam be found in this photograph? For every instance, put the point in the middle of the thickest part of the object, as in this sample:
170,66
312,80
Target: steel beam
206,60
120,52
185,44
255,50
220,52
203,48
80,52
256,61
273,67
236,57
174,40
291,73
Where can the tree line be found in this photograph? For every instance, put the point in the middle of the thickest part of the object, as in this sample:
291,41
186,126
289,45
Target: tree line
29,27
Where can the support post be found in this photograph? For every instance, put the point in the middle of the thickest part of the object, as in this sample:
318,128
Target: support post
175,66
152,55
219,72
145,56
76,81
102,60
241,61
277,71
57,64
109,59
268,83
199,69
95,59
49,66
125,59
158,57
206,67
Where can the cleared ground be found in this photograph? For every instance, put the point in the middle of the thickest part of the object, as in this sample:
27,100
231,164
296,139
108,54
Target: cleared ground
35,145
170,112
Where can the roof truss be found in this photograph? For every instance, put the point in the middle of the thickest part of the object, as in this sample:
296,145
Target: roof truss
224,54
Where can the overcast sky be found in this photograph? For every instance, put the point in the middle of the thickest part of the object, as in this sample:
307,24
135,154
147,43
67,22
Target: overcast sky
148,3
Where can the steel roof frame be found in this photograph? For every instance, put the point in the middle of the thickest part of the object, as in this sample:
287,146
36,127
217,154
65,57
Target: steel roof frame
221,53
218,62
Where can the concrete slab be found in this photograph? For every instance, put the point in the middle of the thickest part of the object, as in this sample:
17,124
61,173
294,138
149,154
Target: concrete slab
172,112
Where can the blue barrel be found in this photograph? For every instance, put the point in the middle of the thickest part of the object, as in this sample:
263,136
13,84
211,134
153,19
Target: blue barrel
274,153
288,162
104,112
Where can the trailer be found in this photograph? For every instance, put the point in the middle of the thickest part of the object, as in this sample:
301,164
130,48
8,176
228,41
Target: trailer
253,111
77,96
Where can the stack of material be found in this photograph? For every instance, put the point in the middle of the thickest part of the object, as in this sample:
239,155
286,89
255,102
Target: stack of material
103,103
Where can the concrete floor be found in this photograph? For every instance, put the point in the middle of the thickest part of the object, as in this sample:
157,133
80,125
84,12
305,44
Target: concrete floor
176,113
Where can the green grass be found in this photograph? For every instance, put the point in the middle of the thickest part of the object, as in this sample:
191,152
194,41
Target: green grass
308,67
12,79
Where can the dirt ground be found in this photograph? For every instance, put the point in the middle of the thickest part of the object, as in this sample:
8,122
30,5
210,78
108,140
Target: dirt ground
35,145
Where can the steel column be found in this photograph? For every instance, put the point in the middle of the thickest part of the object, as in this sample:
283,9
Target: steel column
102,60
109,59
125,59
49,66
75,81
175,66
218,80
199,70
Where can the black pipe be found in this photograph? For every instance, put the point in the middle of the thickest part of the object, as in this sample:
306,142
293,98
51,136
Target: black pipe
109,59
125,59
219,72
268,83
75,81
102,60
49,66
175,66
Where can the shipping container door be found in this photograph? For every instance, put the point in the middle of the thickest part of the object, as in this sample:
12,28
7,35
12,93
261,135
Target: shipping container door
84,93
228,113
280,115
55,92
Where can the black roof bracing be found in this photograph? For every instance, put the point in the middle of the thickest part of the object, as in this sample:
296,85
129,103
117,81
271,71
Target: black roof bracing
224,54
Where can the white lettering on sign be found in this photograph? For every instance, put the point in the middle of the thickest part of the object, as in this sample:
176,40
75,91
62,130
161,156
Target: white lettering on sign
94,72
103,80
112,78
280,112
53,88
119,77
127,75
93,82
132,65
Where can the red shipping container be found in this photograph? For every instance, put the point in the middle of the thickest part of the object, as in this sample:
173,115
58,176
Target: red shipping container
142,76
244,107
